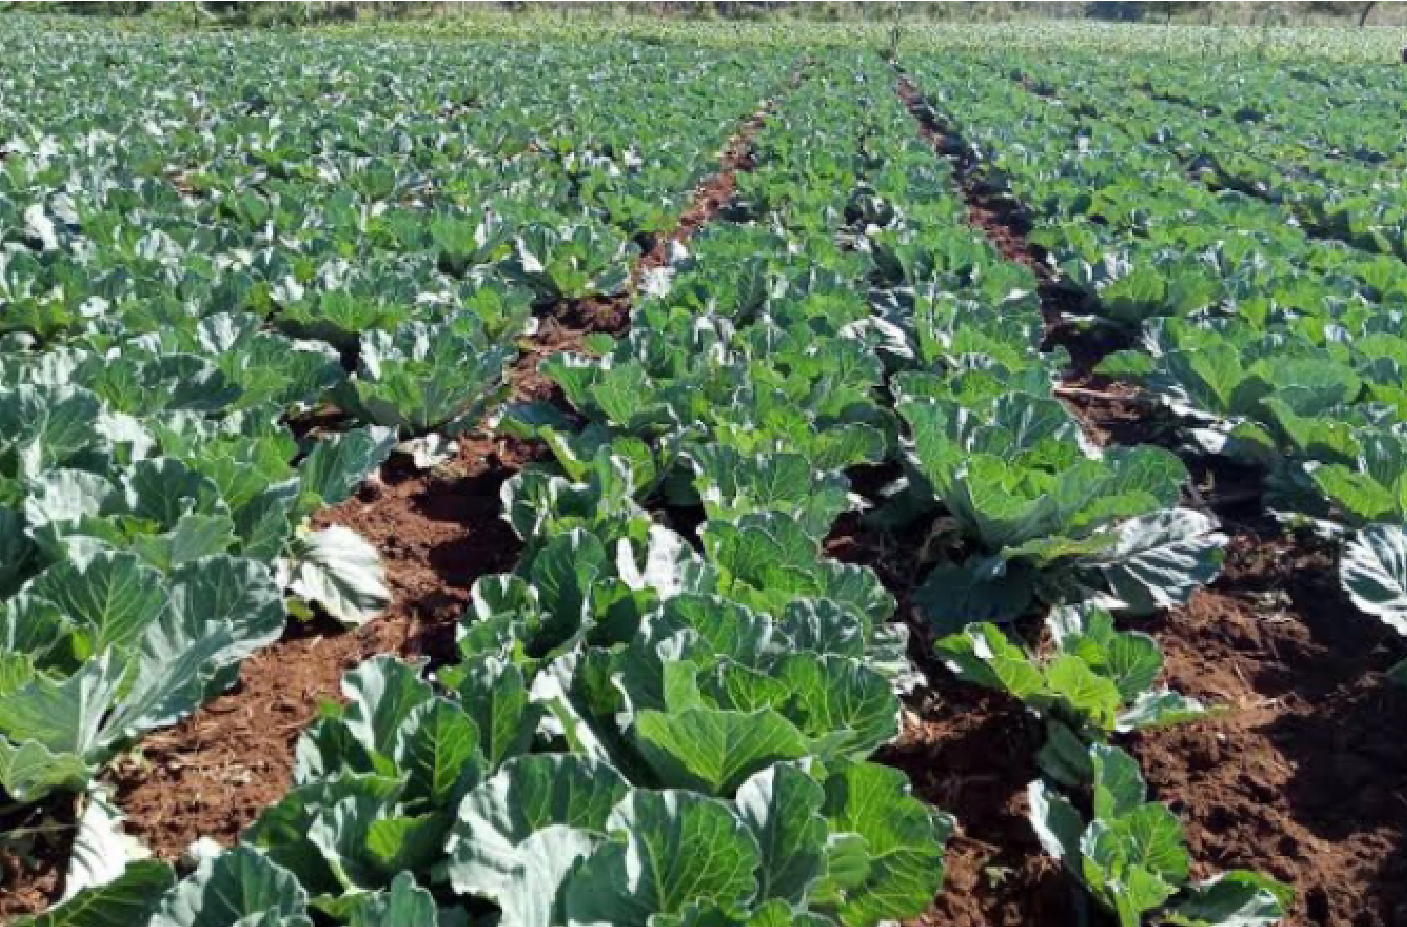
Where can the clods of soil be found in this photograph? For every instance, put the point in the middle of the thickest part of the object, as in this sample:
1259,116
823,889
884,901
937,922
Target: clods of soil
1303,776
971,753
35,841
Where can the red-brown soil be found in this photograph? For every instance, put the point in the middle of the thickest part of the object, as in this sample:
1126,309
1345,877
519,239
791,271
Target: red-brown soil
34,849
968,751
715,192
437,532
1304,775
971,752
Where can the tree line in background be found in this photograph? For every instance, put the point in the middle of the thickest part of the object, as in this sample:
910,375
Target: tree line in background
239,14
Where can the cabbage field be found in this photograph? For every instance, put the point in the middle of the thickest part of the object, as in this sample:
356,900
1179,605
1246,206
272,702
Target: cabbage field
679,484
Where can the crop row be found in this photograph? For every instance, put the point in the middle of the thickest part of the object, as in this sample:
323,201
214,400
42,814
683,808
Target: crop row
1054,523
189,275
1326,151
1325,154
666,713
1270,349
715,707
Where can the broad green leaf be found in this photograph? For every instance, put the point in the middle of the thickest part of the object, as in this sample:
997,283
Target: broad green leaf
62,496
1064,756
283,829
731,485
1057,824
1118,783
1120,861
194,536
420,376
841,699
223,610
111,599
528,794
399,844
364,842
161,490
563,572
1233,899
235,591
437,749
729,629
382,693
29,770
674,849
1360,497
1133,661
671,566
16,548
1156,834
1158,560
782,806
337,464
66,716
329,746
1089,694
726,684
232,888
984,655
955,595
495,695
31,625
904,839
264,523
847,867
713,751
816,625
47,426
532,892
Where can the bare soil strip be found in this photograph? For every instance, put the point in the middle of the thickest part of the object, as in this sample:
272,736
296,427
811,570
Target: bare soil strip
437,532
970,752
1303,775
